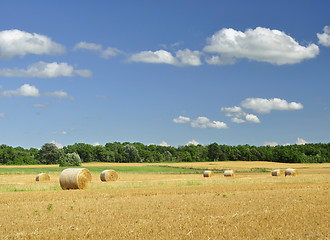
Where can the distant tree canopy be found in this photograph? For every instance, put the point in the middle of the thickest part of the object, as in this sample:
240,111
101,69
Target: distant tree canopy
74,155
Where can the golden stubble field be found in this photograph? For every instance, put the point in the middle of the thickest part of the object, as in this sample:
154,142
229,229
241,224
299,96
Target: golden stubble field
251,205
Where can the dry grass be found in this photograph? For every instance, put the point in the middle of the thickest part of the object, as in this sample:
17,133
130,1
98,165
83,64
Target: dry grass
163,206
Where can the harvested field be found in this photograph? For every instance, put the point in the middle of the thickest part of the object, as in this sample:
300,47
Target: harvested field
252,205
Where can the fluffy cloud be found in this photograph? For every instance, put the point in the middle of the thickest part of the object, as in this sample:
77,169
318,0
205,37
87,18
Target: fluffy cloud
160,56
183,57
19,43
237,120
41,105
239,116
181,119
45,70
271,144
57,144
252,118
219,60
27,90
110,52
324,38
188,58
301,141
3,115
164,144
204,122
58,94
88,46
233,111
260,44
200,122
192,142
261,105
104,53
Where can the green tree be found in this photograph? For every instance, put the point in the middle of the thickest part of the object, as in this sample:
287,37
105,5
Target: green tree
132,153
214,152
70,159
50,154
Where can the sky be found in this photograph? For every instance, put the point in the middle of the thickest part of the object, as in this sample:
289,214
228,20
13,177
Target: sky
169,73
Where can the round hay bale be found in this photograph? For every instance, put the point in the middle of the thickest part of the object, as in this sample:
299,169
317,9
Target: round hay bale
208,173
277,172
42,177
75,178
229,173
108,175
291,172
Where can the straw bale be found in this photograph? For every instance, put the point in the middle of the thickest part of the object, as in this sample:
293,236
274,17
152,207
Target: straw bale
291,172
208,173
42,177
108,175
229,173
75,178
277,172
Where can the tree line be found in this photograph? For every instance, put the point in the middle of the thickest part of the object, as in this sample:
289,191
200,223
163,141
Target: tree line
126,152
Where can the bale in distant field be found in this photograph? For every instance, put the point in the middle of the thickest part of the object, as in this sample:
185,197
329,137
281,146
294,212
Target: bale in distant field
277,172
108,175
75,178
229,173
291,172
208,173
42,177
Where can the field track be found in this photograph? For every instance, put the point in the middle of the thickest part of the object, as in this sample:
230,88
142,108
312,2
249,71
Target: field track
251,205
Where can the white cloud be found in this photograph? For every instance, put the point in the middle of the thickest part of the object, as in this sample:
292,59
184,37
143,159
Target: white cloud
183,57
104,53
252,118
15,42
164,144
110,52
301,141
45,70
160,56
239,116
3,115
58,94
200,122
260,44
27,90
64,132
88,46
261,105
237,120
204,122
188,58
192,142
96,144
181,119
233,111
324,38
271,144
58,145
219,60
42,105
83,73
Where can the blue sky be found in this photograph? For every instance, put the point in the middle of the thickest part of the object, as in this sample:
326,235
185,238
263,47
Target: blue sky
164,72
